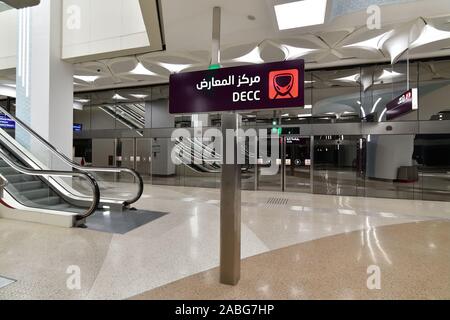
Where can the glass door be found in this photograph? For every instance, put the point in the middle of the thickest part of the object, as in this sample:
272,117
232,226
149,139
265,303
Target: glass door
338,165
272,182
144,158
125,153
297,164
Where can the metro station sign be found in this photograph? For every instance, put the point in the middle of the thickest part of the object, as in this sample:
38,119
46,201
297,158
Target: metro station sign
405,103
254,87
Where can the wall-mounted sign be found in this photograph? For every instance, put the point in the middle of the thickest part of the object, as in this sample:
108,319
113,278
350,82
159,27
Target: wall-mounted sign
407,102
6,123
77,127
252,87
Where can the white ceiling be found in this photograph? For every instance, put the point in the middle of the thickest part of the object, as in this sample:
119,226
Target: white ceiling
4,7
249,32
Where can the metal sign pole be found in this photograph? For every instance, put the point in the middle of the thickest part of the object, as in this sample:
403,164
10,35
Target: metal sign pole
230,192
230,206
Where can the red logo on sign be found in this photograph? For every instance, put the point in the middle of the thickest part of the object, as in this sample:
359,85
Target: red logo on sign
283,84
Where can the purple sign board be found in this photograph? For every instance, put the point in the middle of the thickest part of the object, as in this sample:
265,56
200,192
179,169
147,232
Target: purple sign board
252,87
407,102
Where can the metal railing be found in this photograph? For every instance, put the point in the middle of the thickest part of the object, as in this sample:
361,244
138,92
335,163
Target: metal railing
53,173
73,164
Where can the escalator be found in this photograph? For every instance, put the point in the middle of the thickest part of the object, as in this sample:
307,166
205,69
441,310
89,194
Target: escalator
42,179
32,190
204,161
130,115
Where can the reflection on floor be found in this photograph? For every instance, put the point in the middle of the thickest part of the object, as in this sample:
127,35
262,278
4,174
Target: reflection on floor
186,241
121,222
334,181
413,262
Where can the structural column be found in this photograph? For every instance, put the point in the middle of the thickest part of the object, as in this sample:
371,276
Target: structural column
44,81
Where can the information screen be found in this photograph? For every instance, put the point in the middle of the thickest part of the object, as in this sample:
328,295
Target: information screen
6,123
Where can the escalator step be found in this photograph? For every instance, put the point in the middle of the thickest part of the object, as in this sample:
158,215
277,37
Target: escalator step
3,164
74,209
7,171
37,194
13,178
28,185
48,201
60,207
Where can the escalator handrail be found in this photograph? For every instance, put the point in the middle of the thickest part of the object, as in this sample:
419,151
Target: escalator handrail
54,173
73,164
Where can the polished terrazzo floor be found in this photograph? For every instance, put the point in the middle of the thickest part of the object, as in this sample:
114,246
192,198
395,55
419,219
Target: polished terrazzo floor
185,241
413,261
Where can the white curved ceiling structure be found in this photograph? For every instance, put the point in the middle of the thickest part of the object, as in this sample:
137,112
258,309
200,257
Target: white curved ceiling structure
250,35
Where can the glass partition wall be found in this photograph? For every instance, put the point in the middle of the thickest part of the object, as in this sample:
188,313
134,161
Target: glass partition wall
340,143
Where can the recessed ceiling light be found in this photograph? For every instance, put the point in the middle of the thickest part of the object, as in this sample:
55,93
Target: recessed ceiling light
295,52
141,70
253,56
300,14
308,106
174,67
430,34
285,115
305,115
86,78
118,97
